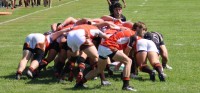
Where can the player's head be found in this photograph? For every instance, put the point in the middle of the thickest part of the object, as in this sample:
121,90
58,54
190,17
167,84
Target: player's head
117,5
140,28
117,9
148,35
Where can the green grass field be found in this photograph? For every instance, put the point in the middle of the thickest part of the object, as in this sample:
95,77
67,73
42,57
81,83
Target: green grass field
177,20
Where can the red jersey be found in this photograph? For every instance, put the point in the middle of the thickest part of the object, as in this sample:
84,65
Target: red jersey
119,40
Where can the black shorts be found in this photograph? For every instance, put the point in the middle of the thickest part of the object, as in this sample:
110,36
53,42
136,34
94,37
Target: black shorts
26,47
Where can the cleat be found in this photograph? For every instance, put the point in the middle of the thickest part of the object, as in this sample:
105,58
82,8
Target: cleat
162,77
78,85
95,78
29,74
61,81
167,67
105,83
134,76
129,88
18,76
152,76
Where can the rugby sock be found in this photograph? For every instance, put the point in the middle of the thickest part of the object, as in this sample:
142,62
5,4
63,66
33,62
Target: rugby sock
33,71
102,77
126,81
72,61
81,67
158,68
146,68
164,64
80,60
43,64
83,80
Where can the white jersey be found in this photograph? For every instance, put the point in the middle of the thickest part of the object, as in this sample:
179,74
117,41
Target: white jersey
79,34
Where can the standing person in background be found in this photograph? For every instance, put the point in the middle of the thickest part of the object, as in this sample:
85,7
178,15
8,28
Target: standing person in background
20,2
111,4
117,15
47,3
13,4
38,2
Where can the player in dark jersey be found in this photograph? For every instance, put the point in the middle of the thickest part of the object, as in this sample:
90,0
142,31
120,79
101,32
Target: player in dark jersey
117,12
157,38
111,4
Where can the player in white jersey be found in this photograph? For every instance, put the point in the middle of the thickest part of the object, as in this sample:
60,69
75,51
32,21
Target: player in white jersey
34,47
146,49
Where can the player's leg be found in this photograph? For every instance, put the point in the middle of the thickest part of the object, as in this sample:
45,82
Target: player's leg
37,58
22,65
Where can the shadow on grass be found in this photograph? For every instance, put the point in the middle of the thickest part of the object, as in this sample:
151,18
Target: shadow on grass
88,88
11,76
117,76
45,77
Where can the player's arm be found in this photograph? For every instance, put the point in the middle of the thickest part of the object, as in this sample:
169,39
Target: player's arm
103,35
69,20
130,44
110,18
55,35
164,54
108,25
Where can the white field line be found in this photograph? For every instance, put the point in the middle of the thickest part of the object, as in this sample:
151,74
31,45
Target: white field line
36,12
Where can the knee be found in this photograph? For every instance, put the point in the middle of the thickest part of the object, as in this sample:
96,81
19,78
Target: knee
128,61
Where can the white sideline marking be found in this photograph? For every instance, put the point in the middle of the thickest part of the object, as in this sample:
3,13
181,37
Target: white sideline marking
36,12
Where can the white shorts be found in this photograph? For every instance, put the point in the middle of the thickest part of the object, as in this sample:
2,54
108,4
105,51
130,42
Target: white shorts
33,39
75,39
104,51
146,45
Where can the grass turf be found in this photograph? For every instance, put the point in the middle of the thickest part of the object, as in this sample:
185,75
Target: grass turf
177,20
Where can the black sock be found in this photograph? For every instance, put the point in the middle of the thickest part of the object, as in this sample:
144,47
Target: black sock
125,83
146,69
